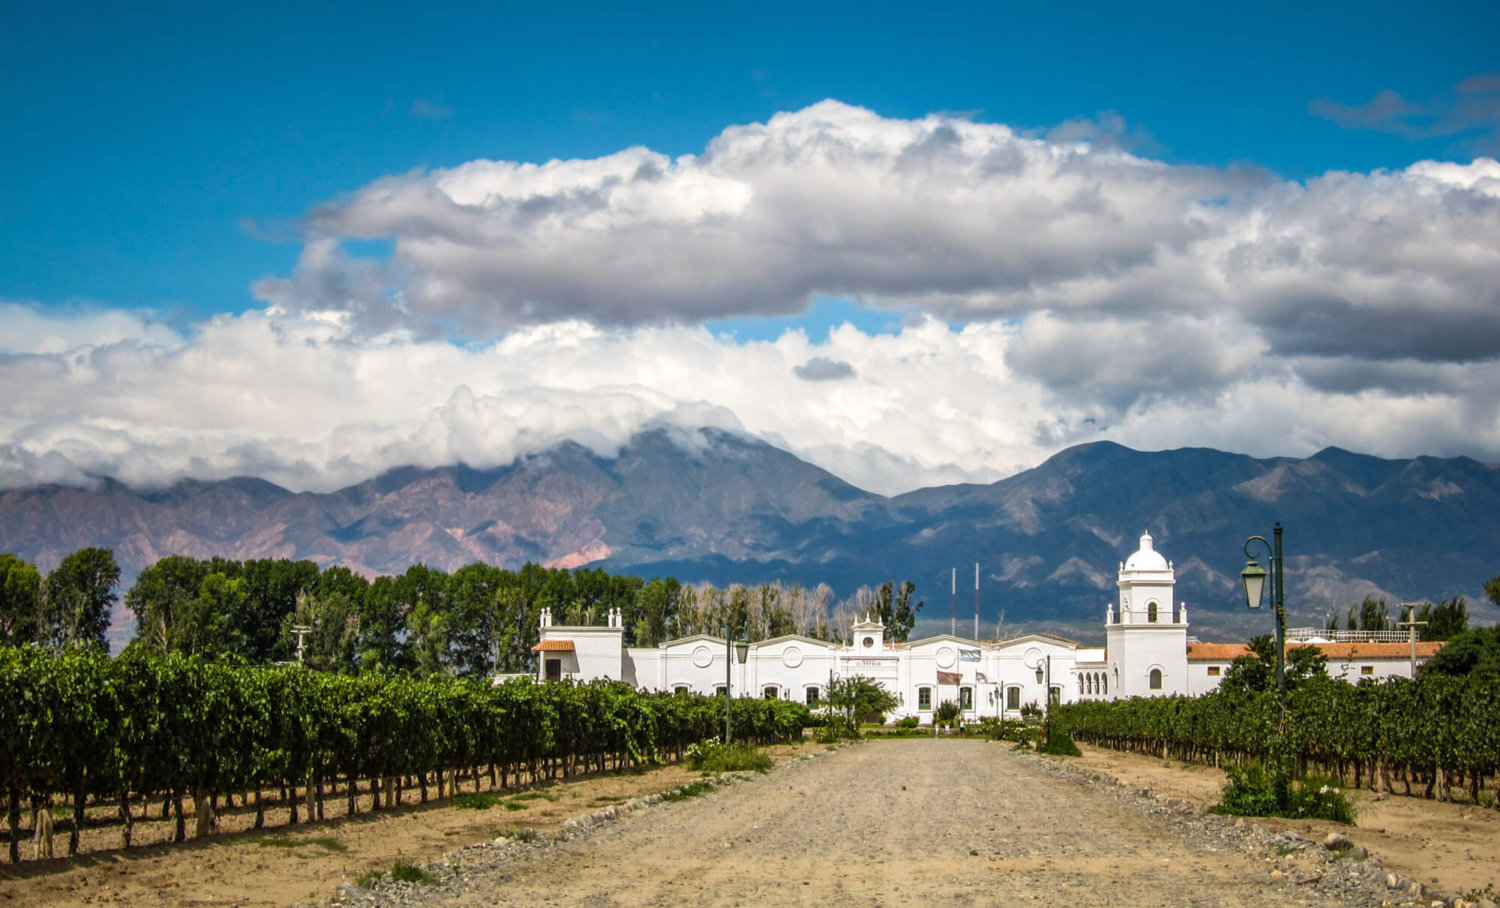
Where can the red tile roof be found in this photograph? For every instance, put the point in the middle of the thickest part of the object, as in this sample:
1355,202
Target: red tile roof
1336,652
1216,652
553,646
1345,652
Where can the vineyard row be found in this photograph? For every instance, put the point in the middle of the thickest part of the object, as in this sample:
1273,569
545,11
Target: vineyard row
1438,733
148,727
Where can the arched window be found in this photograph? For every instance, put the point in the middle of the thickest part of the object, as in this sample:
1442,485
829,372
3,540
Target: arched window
1104,684
680,689
1151,613
1080,684
924,698
1176,613
1156,679
770,692
813,696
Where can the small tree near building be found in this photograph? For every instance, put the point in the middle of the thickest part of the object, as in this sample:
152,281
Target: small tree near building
852,699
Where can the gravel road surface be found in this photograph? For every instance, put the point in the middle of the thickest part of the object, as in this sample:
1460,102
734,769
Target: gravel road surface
904,822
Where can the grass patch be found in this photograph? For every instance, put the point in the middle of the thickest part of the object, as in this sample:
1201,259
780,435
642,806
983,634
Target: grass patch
325,842
608,800
690,790
401,872
407,872
526,834
711,756
533,796
513,805
471,800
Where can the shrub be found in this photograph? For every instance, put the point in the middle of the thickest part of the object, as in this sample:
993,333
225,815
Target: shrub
1319,798
712,756
946,713
1249,793
909,722
407,872
1060,744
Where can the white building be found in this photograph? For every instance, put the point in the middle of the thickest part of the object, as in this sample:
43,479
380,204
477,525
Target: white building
1146,653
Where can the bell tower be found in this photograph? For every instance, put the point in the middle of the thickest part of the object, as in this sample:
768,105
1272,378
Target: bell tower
869,637
1146,637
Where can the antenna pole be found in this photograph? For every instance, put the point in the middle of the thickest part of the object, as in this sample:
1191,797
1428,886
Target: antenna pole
976,600
953,604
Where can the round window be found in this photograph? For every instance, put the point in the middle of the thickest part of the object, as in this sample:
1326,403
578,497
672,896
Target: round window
869,642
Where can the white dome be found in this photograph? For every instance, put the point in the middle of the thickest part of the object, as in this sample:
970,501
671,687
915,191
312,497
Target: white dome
1147,558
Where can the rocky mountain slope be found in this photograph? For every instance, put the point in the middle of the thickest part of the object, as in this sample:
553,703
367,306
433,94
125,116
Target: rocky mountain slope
723,508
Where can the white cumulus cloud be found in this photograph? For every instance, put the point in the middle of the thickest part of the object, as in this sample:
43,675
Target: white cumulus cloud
1064,290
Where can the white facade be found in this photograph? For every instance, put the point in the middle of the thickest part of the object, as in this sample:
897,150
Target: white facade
1146,654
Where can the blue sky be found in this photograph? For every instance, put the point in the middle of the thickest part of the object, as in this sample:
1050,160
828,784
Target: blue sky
152,134
174,163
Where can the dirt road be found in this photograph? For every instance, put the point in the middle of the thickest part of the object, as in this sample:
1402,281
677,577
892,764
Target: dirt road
906,822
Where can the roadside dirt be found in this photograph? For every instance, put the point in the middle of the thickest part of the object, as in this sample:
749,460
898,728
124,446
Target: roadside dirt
899,822
1454,846
889,822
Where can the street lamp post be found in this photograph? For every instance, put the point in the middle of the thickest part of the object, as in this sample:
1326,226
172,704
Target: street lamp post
736,648
1254,577
1046,674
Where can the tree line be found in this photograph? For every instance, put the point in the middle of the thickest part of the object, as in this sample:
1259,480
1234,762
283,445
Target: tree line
1443,620
478,620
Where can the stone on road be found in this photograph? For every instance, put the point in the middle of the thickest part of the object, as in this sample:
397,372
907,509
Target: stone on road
895,823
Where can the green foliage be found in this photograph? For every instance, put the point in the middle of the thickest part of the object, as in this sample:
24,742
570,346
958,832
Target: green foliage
849,701
407,872
1471,652
1319,798
168,724
20,601
996,729
1060,744
690,790
475,800
711,755
325,842
1370,615
1435,722
908,722
77,598
1257,671
946,714
894,607
1445,620
1250,792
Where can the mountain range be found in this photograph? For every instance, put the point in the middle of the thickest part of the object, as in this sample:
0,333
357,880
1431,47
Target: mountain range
724,508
